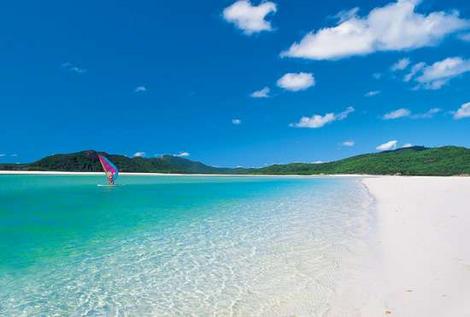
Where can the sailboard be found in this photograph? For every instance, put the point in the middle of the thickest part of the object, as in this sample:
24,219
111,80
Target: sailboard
110,170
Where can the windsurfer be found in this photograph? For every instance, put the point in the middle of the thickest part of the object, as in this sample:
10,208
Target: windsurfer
109,175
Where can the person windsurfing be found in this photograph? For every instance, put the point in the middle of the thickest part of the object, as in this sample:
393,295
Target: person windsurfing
110,170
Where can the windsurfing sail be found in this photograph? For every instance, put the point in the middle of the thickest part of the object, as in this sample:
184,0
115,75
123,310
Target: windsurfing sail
109,168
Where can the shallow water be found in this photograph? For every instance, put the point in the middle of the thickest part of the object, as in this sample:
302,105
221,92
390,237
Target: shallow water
175,245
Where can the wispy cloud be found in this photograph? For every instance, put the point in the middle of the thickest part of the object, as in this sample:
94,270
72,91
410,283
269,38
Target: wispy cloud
400,64
463,111
262,93
406,113
414,70
387,146
236,121
73,68
465,37
296,81
377,75
426,115
396,114
348,143
437,75
139,154
372,93
140,89
182,154
393,27
250,18
318,121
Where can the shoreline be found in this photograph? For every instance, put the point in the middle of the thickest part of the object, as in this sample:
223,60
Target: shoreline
174,174
423,263
5,172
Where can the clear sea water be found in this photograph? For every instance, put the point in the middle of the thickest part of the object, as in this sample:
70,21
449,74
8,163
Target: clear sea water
176,245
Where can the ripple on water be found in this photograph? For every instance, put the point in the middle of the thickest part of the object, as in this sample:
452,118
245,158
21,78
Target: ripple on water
263,256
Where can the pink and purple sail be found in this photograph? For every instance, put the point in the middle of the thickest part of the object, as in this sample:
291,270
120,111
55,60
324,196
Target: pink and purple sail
109,168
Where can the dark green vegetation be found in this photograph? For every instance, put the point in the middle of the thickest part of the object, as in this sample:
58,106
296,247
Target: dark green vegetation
448,160
87,161
445,161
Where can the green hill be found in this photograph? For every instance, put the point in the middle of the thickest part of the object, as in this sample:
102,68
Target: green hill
87,161
448,160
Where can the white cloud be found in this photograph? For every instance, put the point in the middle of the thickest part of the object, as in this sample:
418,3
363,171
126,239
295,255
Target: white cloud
236,121
396,114
426,115
403,112
262,93
318,162
182,154
393,27
465,37
387,146
139,154
438,74
140,89
377,75
414,70
250,18
318,121
372,93
463,111
407,145
296,81
348,143
73,68
400,64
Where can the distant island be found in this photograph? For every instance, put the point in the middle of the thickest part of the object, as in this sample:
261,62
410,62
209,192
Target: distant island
417,160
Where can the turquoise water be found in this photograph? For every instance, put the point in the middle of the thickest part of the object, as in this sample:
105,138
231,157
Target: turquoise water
175,245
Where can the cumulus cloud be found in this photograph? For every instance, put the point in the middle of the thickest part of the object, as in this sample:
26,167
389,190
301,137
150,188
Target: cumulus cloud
407,145
318,121
140,89
387,146
139,154
393,27
236,121
400,64
182,154
262,93
73,68
463,111
396,114
348,143
296,81
435,76
372,93
250,18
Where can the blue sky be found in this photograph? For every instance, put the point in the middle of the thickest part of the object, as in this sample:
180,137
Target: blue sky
233,83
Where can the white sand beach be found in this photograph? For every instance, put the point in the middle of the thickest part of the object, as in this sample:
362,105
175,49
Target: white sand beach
424,251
